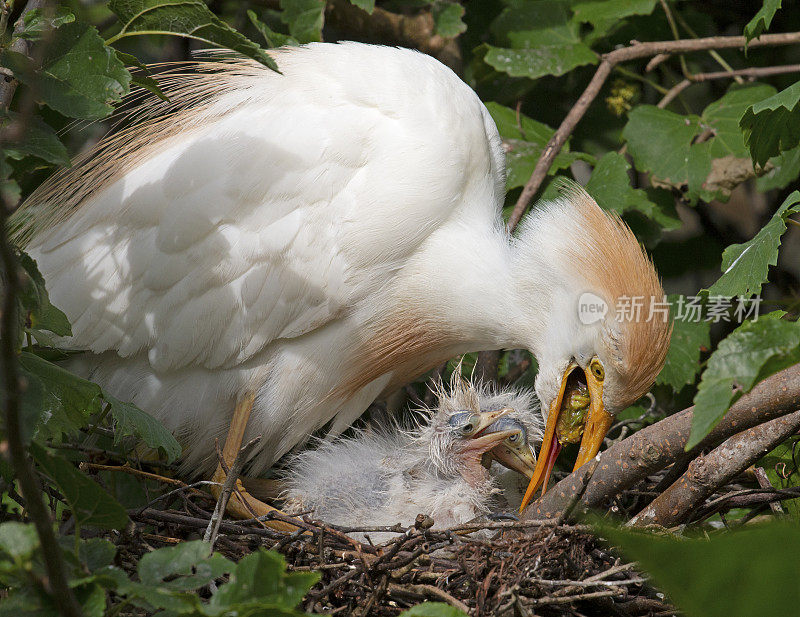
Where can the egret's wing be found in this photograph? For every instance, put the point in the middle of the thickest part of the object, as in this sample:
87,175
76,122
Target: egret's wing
264,213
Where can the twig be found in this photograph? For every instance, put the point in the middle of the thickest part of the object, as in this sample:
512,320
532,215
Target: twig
607,63
707,473
761,71
764,482
656,446
202,523
56,584
227,488
549,600
427,591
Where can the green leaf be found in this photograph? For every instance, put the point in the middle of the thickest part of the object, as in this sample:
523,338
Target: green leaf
782,471
89,503
750,572
745,266
38,21
35,307
79,76
772,125
749,354
610,185
603,11
130,420
366,5
433,609
189,18
142,77
273,39
305,19
261,578
540,38
760,23
39,140
67,400
705,156
18,540
185,567
785,169
447,18
524,139
689,336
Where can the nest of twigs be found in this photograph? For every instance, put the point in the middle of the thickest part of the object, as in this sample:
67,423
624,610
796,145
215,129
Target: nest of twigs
486,568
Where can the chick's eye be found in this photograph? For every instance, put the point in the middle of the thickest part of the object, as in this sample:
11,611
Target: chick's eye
513,438
597,370
470,426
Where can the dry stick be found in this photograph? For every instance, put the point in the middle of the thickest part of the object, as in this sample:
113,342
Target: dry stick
174,518
762,71
427,591
656,446
763,482
227,488
56,583
707,473
607,63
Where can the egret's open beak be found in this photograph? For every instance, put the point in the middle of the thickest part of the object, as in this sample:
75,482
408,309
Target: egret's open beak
595,428
519,459
487,418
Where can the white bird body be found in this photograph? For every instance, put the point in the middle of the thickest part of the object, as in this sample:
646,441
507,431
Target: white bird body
314,237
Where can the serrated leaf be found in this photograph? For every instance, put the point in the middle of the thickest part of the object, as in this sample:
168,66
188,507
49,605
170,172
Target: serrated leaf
261,578
749,354
130,420
663,143
366,5
539,39
602,11
760,23
772,125
67,400
39,140
79,76
38,21
782,471
273,39
185,567
188,18
433,609
305,19
610,185
689,336
88,502
447,18
742,571
745,266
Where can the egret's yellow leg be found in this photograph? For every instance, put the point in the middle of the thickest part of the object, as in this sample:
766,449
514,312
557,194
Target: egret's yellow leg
242,504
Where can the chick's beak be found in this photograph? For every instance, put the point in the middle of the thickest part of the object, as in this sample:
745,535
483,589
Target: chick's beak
487,418
519,459
597,423
484,443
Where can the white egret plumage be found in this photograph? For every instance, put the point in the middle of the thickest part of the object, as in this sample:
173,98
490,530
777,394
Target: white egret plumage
290,246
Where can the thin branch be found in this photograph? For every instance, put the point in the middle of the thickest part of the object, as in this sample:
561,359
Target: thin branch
764,482
761,71
709,472
654,447
609,61
8,84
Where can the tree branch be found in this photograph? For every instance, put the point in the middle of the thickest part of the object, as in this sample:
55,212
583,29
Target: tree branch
633,52
709,472
654,447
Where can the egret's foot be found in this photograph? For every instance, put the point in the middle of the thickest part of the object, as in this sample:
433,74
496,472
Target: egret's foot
243,505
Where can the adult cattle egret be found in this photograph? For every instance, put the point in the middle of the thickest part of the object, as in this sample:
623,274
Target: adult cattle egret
385,477
286,247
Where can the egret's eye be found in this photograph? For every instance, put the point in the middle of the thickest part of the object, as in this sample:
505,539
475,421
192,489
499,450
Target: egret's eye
465,423
597,370
514,438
